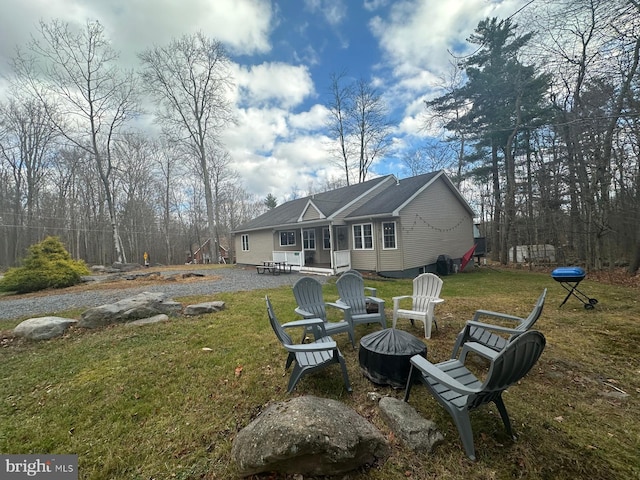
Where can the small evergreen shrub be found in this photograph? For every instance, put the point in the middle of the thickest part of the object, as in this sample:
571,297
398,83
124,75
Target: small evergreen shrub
47,265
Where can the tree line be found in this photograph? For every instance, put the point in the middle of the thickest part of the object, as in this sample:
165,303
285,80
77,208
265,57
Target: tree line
538,127
541,124
74,164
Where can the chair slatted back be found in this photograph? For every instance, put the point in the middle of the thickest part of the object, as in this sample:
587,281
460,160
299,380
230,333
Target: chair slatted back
426,286
351,291
308,294
283,336
535,313
513,363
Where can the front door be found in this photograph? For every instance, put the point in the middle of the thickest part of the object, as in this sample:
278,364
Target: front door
342,238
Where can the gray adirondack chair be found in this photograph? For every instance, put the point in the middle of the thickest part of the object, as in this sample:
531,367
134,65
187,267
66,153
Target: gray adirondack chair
368,290
494,336
308,294
307,357
425,296
458,390
351,293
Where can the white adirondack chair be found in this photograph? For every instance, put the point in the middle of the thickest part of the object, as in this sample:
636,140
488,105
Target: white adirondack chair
426,295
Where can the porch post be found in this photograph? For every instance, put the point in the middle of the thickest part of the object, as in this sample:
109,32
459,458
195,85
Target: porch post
331,246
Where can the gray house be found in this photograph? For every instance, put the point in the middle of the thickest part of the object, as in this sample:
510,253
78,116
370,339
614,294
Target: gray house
397,228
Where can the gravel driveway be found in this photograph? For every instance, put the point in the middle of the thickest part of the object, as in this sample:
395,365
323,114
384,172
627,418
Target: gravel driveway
232,279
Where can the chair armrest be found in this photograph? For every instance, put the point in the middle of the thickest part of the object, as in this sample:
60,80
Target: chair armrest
307,322
373,290
429,369
303,313
315,324
491,326
396,301
478,349
489,313
312,347
375,300
339,305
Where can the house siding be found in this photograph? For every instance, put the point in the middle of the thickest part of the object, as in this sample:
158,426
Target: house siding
439,223
311,213
260,247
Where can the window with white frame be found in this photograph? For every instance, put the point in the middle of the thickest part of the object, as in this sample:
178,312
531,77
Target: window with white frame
388,235
309,239
363,236
326,239
287,238
245,242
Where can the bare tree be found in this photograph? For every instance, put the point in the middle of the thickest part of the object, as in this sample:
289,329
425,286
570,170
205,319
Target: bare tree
358,126
189,79
88,97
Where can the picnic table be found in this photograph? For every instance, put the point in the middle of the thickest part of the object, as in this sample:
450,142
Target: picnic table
273,267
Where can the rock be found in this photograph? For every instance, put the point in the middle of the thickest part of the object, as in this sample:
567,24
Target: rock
419,434
43,328
201,308
146,321
308,436
143,305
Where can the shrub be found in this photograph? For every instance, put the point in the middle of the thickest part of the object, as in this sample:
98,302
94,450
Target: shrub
47,265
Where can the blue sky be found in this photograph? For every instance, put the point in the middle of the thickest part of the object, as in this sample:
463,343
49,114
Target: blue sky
283,53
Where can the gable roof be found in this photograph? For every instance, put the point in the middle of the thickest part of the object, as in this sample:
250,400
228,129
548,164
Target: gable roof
328,204
387,197
391,200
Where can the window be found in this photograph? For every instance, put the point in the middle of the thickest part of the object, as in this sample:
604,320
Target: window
245,242
389,235
287,238
309,239
363,237
326,239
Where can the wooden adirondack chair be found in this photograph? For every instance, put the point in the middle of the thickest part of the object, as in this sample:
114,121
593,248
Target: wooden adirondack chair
494,336
308,357
426,295
351,292
308,294
458,390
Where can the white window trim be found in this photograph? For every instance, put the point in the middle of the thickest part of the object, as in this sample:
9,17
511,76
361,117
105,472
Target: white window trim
295,241
395,236
244,240
353,233
313,231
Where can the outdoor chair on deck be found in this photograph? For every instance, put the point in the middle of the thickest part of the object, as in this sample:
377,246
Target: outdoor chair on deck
495,336
308,357
308,294
458,390
351,293
426,295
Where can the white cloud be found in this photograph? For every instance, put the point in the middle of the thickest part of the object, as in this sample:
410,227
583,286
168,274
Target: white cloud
334,11
419,35
274,83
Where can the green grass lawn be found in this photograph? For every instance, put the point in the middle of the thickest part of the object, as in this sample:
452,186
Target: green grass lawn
166,400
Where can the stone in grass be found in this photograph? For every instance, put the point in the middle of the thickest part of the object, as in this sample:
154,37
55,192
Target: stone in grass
202,308
309,436
43,328
419,434
143,305
146,321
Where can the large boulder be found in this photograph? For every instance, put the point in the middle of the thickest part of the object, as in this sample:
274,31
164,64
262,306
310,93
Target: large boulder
143,305
309,436
419,434
43,328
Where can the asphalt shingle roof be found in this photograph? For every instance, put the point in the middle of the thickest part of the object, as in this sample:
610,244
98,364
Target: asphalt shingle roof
327,202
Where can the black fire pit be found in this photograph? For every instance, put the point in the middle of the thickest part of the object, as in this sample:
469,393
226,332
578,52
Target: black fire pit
384,356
